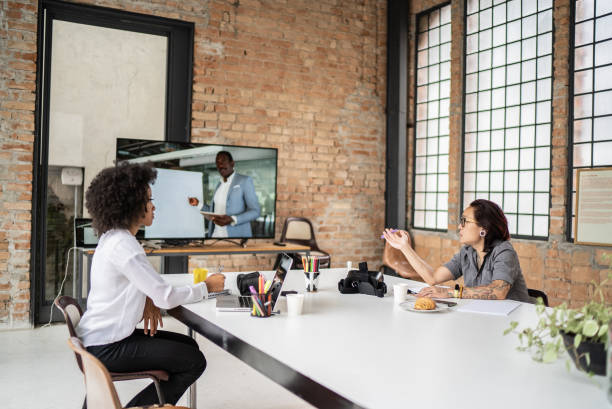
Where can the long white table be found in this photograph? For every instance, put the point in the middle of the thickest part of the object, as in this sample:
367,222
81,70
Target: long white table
363,351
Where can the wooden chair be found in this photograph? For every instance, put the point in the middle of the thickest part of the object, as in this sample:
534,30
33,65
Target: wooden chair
101,393
538,294
299,230
395,260
72,315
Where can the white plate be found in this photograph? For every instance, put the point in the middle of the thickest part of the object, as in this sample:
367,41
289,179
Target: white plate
409,306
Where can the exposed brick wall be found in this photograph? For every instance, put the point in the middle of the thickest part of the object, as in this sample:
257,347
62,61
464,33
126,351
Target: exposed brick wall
17,96
306,77
561,269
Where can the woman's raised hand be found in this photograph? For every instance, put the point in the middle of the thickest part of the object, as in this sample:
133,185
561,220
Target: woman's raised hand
396,238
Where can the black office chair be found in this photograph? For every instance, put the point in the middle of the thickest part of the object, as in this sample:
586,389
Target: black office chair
538,294
299,230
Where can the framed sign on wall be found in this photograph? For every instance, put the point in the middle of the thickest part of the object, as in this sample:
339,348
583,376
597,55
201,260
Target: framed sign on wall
593,223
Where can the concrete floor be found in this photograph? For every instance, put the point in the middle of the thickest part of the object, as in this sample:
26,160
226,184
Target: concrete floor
38,370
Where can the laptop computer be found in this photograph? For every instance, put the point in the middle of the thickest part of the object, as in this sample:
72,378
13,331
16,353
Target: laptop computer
245,302
85,234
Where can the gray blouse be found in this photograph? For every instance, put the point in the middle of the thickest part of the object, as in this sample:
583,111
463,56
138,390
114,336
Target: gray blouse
501,263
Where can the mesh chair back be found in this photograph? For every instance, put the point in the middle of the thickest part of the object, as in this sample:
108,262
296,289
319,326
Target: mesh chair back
298,229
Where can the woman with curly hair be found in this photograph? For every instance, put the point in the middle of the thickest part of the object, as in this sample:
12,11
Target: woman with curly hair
487,261
125,289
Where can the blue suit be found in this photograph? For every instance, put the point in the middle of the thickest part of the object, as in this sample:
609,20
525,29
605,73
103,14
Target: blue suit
241,203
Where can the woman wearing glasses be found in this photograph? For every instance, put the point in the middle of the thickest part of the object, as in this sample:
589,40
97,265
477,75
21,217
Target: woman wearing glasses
487,261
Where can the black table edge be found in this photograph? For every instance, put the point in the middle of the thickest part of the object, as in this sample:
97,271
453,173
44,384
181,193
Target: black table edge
298,384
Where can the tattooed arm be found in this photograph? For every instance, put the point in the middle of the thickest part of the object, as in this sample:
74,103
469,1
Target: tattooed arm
497,290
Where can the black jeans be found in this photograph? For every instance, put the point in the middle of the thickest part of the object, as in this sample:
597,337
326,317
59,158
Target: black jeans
174,353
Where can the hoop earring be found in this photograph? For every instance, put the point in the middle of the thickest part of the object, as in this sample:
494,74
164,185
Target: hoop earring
483,233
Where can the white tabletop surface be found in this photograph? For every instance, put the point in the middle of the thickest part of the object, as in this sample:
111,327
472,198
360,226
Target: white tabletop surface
378,355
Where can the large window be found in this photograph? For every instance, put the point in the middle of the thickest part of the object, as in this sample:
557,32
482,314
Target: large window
508,81
592,113
430,204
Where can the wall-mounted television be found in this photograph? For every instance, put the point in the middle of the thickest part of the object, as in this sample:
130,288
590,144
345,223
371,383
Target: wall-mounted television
187,180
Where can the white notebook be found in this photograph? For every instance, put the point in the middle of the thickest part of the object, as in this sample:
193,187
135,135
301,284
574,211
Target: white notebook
493,307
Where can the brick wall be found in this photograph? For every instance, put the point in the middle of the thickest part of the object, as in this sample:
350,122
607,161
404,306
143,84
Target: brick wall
306,77
17,95
560,268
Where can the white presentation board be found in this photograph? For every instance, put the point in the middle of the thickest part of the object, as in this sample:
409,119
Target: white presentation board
174,216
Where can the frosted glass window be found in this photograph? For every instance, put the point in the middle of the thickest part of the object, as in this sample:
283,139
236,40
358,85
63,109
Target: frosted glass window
430,200
592,85
508,100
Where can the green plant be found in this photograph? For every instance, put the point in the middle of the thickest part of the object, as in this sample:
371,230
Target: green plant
589,323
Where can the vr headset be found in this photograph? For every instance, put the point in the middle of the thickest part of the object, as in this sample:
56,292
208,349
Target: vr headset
363,281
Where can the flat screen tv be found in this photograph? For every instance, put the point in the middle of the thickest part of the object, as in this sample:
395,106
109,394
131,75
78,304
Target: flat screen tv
187,179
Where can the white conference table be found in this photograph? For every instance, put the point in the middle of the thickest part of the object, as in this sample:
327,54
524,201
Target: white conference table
363,351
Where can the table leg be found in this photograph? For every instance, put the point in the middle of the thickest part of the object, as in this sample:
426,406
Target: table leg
192,398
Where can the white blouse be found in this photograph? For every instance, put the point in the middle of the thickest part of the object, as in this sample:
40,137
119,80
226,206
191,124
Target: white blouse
121,279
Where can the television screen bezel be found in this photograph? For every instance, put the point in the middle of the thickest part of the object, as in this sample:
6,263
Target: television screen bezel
223,145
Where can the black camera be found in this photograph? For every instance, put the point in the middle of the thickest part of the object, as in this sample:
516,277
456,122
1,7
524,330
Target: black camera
363,281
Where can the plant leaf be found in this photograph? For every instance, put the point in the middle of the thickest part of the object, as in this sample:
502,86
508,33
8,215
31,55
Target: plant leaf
590,327
577,340
602,330
550,353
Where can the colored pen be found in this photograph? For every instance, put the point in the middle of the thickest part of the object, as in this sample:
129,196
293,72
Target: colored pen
382,236
267,286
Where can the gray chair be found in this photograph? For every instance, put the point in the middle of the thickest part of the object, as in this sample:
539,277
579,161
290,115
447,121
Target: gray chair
72,315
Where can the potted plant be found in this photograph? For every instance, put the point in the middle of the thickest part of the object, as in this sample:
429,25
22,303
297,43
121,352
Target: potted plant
583,332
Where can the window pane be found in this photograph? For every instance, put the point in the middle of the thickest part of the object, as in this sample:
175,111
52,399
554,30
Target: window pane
542,159
540,226
582,154
603,7
541,180
584,9
603,103
601,129
545,21
582,130
582,106
527,136
583,57
584,33
497,181
525,203
528,92
602,153
486,38
603,53
525,181
603,78
603,28
529,26
526,157
540,203
543,135
525,227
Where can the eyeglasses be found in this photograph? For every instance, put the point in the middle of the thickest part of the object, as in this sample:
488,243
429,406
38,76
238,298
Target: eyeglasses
463,220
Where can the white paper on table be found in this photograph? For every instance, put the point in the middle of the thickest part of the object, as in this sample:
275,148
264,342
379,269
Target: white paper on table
494,307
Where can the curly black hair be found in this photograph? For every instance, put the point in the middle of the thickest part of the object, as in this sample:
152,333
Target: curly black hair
118,196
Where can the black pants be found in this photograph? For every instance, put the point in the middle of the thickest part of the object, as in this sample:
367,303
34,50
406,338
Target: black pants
174,353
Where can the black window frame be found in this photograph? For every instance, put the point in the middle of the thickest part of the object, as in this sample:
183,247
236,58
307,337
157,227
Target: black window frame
519,126
179,80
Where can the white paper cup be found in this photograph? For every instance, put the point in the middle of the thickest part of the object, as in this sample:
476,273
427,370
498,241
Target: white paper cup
295,304
400,292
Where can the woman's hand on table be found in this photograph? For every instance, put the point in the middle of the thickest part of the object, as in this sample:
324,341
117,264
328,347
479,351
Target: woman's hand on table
435,292
152,317
215,283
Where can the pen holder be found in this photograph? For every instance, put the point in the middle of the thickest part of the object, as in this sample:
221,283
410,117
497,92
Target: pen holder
262,305
312,280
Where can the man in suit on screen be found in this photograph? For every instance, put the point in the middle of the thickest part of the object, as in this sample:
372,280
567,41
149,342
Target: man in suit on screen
234,202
